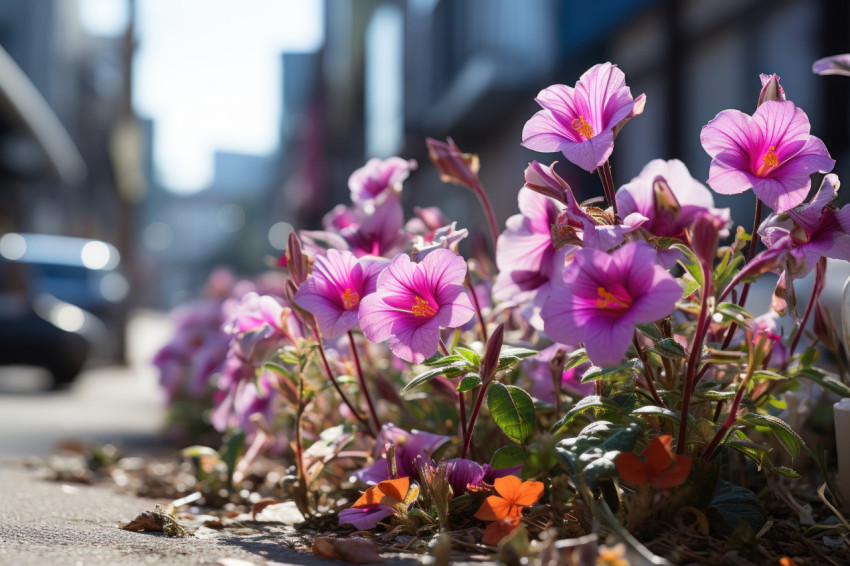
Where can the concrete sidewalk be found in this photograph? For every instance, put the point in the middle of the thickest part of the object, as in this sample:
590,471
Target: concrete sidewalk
44,523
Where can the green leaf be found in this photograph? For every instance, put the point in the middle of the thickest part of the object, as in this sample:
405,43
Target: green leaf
576,358
767,374
200,452
731,312
784,471
789,439
809,357
653,411
734,505
444,360
595,373
454,369
690,262
269,366
472,357
469,382
716,395
513,411
421,379
587,404
231,452
827,381
669,348
507,457
649,330
516,352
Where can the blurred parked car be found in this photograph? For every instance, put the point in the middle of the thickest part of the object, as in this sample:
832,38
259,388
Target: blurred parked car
60,302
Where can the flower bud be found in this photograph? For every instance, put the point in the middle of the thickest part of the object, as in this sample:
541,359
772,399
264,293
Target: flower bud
454,166
490,362
770,89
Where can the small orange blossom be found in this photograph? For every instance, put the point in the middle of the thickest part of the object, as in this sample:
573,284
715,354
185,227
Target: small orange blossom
515,494
661,467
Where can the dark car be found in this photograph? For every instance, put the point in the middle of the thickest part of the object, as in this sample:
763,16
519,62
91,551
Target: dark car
59,302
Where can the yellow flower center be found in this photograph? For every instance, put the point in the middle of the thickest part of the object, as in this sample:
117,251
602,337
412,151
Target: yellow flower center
350,299
608,300
421,307
768,161
582,127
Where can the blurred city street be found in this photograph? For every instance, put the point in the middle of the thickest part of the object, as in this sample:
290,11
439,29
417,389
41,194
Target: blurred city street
105,404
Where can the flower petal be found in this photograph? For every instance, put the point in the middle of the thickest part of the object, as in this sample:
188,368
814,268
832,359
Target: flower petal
365,518
631,468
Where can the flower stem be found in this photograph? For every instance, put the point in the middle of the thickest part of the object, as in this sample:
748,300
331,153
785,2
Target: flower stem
607,180
650,376
812,300
477,306
461,398
732,417
751,251
467,439
693,360
339,390
488,212
362,380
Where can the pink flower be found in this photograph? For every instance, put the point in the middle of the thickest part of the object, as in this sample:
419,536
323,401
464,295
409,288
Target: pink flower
412,302
540,372
671,208
580,122
379,177
816,229
333,291
601,297
833,65
770,152
525,254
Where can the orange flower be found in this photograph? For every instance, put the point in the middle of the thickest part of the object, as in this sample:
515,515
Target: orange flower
497,530
515,494
390,492
661,467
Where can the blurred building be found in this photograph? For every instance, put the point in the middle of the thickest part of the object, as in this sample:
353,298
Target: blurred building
395,72
84,81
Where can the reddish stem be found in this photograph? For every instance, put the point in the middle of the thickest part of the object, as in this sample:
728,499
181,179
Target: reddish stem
362,379
731,418
650,376
339,390
477,306
693,360
467,439
488,212
461,398
799,334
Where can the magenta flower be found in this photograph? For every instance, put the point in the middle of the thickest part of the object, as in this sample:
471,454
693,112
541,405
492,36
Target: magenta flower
816,229
334,289
580,122
463,473
671,207
770,152
412,302
525,254
378,177
409,449
601,297
540,372
365,518
833,65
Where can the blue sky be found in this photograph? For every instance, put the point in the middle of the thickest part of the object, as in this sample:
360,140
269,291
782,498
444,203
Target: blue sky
209,73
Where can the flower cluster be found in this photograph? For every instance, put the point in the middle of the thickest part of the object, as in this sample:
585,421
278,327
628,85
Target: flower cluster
626,320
